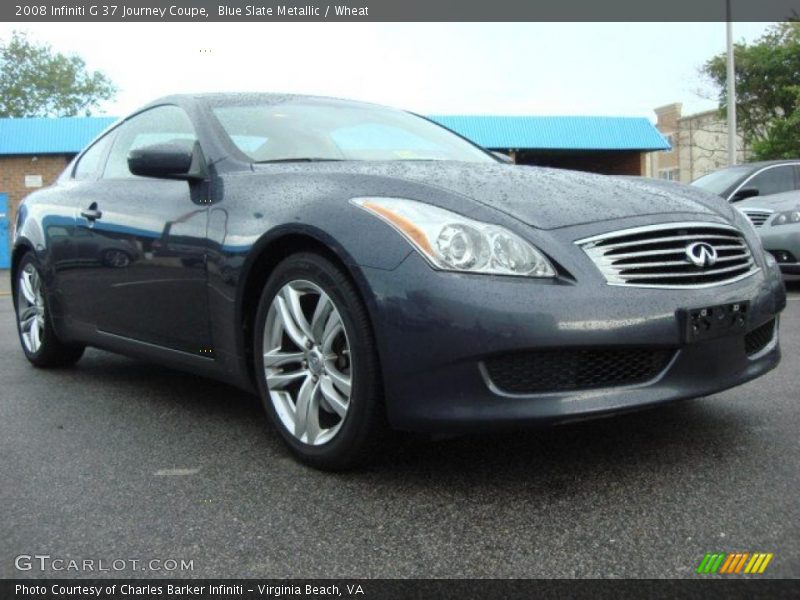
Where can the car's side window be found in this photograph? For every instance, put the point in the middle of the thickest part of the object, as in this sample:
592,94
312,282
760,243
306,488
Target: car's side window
773,181
89,164
158,125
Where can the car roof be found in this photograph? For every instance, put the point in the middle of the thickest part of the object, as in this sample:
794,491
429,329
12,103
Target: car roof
217,98
752,167
766,163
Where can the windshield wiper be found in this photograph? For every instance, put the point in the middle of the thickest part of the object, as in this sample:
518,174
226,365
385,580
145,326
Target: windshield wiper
302,159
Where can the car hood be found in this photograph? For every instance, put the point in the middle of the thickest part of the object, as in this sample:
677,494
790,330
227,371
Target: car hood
776,202
542,197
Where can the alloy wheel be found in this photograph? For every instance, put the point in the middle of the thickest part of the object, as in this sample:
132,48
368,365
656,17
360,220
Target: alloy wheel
307,362
30,308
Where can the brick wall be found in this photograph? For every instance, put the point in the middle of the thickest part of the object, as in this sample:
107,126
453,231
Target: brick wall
666,163
608,162
13,170
699,144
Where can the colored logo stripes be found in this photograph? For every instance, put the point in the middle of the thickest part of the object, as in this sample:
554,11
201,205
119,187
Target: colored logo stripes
734,563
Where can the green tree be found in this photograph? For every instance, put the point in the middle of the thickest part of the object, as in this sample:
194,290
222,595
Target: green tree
35,81
767,91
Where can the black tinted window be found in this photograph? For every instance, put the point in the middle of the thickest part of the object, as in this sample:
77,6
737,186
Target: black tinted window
89,164
158,125
773,181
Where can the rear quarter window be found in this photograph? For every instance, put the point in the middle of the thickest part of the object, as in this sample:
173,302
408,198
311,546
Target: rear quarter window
88,165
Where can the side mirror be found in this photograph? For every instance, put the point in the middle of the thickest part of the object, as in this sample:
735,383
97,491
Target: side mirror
172,160
746,192
503,157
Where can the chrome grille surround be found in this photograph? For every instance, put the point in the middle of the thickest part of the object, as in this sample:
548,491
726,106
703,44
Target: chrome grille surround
758,216
655,256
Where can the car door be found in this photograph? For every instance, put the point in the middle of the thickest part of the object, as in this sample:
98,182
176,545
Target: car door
76,288
141,243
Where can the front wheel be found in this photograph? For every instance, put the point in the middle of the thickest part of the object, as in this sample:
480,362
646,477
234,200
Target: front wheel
316,364
36,334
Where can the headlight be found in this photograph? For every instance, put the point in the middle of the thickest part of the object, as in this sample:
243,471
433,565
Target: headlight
454,243
787,217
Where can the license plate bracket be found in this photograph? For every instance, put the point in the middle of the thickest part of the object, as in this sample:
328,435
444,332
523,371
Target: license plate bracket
709,322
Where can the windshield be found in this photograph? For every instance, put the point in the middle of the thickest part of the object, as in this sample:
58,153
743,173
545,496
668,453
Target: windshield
719,181
312,129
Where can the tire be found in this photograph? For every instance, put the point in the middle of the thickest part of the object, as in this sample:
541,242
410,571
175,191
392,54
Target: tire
294,368
36,334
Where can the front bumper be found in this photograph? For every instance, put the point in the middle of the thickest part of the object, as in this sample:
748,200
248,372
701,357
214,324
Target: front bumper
791,271
435,330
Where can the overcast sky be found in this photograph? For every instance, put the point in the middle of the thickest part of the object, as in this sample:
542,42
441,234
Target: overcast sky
432,68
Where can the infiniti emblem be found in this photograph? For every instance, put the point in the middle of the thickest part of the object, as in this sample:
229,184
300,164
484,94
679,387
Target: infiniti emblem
315,362
701,254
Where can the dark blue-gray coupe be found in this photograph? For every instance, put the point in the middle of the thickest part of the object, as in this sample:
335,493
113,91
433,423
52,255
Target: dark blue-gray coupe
364,269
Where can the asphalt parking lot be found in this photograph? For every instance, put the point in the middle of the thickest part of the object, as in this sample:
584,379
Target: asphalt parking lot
120,459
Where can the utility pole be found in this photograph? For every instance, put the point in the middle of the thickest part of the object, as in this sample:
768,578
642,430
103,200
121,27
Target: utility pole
731,88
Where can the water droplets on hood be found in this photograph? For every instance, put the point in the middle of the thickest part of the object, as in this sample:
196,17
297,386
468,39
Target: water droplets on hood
543,197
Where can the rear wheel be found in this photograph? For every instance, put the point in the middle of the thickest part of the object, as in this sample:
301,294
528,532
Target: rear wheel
316,363
36,334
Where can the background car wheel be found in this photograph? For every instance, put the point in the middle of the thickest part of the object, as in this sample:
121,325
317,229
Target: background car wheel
316,364
36,334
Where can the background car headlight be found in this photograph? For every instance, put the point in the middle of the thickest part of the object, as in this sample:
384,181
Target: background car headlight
452,242
788,217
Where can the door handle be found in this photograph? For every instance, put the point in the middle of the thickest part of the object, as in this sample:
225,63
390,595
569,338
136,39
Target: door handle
92,214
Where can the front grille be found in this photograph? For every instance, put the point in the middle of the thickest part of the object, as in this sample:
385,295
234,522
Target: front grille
659,255
759,338
757,217
541,371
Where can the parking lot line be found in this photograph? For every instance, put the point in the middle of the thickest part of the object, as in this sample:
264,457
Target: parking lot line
177,472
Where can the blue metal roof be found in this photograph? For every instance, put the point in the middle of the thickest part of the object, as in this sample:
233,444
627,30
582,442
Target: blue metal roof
65,135
556,133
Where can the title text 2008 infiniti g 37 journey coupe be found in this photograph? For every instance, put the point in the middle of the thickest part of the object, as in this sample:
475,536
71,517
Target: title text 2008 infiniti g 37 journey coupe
362,268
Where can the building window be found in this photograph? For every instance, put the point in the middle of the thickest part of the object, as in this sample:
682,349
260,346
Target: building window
670,137
668,174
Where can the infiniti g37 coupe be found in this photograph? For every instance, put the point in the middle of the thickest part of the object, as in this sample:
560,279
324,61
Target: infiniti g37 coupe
364,269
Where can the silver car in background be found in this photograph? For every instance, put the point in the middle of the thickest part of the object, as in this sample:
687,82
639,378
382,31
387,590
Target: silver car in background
739,182
777,220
